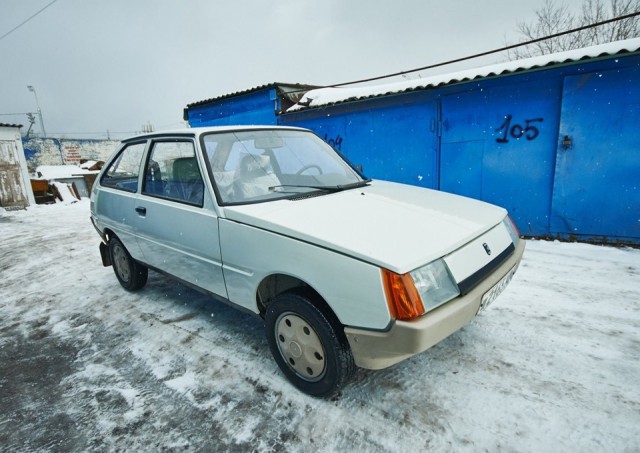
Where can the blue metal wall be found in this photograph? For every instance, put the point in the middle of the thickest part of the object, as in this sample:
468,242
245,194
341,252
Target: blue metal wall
257,107
395,141
502,140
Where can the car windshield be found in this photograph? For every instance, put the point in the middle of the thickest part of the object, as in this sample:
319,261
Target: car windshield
262,165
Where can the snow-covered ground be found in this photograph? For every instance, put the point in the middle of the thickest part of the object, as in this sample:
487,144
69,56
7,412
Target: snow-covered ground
552,365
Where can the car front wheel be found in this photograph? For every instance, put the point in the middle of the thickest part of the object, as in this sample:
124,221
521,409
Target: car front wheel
308,345
131,275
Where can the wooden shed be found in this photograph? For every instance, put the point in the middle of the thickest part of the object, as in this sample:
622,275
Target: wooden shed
15,189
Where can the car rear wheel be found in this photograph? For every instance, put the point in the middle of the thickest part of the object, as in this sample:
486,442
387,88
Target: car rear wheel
309,346
131,275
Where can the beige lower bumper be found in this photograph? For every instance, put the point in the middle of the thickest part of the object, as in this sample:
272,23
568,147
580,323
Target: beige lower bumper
376,350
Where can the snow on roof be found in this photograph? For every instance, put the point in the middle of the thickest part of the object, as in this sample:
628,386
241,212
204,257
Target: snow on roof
88,164
61,171
326,96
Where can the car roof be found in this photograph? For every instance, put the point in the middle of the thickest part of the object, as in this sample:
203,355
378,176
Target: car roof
196,131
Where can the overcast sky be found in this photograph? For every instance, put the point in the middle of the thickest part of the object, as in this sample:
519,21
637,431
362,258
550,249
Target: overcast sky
115,65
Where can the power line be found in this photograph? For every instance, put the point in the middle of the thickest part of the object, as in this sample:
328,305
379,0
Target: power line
482,54
26,20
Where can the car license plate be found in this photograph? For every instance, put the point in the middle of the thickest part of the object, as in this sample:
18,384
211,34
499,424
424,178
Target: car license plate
494,292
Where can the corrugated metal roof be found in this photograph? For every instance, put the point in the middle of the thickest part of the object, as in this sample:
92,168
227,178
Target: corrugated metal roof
284,87
10,125
329,96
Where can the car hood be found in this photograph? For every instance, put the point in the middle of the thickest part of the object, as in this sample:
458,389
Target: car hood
391,225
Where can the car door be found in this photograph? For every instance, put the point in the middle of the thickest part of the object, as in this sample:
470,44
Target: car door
177,224
118,195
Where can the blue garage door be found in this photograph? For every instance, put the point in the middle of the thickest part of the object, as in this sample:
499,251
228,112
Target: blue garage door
498,144
597,182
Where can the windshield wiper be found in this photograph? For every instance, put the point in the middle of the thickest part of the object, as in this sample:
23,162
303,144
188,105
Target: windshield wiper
336,188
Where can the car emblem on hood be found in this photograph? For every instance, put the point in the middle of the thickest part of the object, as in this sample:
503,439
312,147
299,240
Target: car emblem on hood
486,248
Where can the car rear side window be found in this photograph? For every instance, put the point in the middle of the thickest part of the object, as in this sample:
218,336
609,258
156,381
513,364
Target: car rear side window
172,172
124,170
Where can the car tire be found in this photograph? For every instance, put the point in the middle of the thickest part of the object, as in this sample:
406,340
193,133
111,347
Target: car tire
131,275
308,345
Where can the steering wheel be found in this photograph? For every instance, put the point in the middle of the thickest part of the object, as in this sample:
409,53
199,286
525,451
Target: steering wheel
307,167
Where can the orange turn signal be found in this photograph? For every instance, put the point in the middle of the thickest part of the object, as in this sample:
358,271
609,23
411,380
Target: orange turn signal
402,296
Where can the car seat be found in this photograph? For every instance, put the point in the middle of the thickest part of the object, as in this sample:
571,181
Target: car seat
186,183
253,177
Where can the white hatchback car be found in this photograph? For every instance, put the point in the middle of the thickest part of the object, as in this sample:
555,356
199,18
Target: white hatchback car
345,271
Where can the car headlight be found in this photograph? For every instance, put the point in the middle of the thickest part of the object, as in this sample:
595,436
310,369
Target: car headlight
434,284
512,229
413,294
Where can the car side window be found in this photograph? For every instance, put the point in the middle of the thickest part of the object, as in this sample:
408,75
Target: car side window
124,170
172,172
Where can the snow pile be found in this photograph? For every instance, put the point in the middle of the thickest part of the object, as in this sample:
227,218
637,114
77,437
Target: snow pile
65,192
61,171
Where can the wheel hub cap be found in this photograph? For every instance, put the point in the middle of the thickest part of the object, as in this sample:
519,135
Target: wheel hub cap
121,264
300,347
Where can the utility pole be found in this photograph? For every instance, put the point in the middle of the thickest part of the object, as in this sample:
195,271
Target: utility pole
32,120
33,90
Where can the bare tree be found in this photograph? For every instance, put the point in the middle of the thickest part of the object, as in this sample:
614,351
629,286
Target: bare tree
555,17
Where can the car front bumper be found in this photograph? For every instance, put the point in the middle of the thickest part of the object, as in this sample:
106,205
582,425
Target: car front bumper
376,350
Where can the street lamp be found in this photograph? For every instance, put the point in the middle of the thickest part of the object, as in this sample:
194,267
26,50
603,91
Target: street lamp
33,90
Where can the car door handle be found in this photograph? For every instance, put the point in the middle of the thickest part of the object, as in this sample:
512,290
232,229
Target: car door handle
142,211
